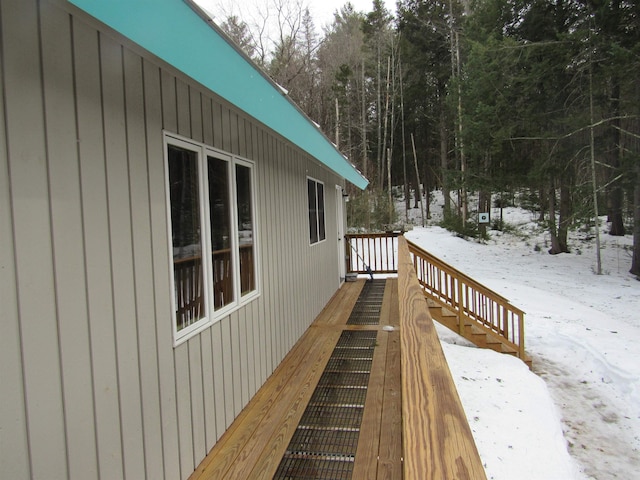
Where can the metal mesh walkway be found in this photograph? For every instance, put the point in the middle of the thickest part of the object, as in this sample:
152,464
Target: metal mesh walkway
325,441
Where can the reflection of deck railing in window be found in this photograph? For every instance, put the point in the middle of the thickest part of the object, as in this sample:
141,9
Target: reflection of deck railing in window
247,275
188,283
222,278
187,274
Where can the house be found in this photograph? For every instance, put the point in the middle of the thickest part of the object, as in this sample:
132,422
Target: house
134,137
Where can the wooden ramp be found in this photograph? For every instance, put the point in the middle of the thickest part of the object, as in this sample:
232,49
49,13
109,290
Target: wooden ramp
269,440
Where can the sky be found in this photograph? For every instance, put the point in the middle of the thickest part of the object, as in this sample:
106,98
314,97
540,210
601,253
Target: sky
322,11
576,416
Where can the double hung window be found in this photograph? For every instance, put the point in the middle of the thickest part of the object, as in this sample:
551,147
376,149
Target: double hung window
315,191
212,228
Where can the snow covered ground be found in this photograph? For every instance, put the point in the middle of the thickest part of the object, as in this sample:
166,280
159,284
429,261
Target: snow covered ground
577,416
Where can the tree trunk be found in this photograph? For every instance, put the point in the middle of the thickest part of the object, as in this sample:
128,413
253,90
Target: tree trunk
380,151
444,163
560,231
615,193
418,191
363,119
407,199
635,261
565,211
426,188
553,230
543,203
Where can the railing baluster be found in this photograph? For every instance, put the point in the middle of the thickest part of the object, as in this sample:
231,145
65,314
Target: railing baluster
471,299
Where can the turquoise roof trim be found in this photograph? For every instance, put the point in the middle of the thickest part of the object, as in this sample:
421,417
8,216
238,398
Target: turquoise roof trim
173,31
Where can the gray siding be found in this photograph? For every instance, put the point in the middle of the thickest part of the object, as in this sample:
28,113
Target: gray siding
91,384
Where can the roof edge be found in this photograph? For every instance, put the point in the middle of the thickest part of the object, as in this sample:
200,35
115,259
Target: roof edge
242,82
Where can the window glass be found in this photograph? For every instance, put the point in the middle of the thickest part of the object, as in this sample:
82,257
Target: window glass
220,218
315,194
186,237
313,211
321,229
245,229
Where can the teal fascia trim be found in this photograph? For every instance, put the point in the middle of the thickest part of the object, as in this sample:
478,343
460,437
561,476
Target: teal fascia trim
173,31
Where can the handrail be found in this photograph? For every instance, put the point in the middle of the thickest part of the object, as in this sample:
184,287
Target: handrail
437,439
374,250
469,299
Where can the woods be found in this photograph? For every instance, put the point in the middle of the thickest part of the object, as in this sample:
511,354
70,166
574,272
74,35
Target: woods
499,99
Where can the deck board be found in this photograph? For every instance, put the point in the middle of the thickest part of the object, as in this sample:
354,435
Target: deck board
255,443
259,436
390,450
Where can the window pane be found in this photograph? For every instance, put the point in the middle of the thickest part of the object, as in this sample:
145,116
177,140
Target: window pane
321,230
186,236
245,229
313,211
220,218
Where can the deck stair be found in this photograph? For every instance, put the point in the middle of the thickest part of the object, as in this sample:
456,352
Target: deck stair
468,308
476,334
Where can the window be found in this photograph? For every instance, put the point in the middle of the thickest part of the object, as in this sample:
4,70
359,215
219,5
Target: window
186,229
211,209
221,239
315,190
245,228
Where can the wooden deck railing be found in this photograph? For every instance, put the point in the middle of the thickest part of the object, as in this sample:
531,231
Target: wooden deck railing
469,299
377,251
437,441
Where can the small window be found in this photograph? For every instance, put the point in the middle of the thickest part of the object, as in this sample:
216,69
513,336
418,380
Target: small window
315,191
245,229
211,210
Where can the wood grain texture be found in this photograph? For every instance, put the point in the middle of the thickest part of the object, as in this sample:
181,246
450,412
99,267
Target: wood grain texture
390,449
253,445
437,439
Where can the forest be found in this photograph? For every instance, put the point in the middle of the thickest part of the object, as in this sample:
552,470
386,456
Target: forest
489,101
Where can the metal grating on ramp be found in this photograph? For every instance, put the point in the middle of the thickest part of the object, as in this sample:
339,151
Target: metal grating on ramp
367,308
325,442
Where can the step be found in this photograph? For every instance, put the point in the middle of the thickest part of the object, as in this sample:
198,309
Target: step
474,332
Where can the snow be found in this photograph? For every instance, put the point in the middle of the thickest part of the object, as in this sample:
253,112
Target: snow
577,414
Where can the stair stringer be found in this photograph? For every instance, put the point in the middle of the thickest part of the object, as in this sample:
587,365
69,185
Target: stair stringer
474,331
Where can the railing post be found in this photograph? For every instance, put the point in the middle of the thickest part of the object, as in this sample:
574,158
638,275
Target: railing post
505,321
460,308
521,353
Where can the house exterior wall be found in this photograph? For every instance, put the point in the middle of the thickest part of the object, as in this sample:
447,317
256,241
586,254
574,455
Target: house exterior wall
92,386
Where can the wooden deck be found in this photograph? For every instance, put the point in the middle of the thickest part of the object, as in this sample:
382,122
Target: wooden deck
413,424
255,443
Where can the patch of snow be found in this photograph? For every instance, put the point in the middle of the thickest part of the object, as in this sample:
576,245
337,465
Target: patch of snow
577,415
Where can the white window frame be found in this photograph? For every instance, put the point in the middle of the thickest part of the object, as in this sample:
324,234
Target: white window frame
211,315
324,210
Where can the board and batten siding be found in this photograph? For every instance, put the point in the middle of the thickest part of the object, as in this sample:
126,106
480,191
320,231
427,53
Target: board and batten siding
91,384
